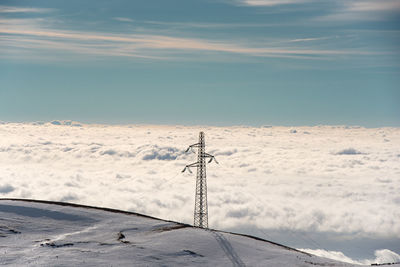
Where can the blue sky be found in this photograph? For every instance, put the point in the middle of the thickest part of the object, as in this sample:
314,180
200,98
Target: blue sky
227,62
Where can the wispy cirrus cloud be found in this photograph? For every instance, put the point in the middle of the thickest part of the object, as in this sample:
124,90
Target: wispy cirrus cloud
147,45
38,35
15,9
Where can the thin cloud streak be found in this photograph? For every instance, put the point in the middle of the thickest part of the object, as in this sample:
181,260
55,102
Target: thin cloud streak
362,10
367,6
214,25
309,39
350,10
123,19
88,49
13,9
350,5
272,2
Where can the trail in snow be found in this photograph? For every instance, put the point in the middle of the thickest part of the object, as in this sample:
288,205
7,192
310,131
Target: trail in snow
228,249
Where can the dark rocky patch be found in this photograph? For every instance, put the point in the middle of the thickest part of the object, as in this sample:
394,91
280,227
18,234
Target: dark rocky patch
191,253
120,236
54,245
169,228
5,230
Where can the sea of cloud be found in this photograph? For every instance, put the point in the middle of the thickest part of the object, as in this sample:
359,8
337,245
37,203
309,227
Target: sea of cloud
315,179
382,256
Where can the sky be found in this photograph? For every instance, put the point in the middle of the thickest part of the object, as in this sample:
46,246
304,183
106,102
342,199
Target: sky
219,62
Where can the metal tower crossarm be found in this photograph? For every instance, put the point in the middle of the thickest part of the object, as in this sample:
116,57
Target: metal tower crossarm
200,207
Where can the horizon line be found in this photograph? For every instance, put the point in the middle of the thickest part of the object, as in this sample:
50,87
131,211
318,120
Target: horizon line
75,123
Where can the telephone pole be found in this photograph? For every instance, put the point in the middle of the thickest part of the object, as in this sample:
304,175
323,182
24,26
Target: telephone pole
200,206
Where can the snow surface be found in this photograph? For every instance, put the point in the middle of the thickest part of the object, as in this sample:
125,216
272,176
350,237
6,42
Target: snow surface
339,182
48,234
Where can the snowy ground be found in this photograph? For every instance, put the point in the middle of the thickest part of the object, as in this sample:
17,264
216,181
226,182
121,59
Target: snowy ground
335,188
42,234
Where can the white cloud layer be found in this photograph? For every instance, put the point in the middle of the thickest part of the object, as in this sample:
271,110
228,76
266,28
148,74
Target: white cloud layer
323,179
382,256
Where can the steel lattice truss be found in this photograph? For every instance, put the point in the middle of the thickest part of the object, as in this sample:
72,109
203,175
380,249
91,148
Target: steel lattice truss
200,206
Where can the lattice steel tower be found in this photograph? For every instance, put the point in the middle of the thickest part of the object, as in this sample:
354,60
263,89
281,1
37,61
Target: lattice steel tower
200,206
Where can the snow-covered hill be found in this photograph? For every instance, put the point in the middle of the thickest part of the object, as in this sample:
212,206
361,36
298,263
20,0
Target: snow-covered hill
39,233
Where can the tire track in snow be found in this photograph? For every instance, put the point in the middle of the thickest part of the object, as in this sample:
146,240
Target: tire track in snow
228,249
